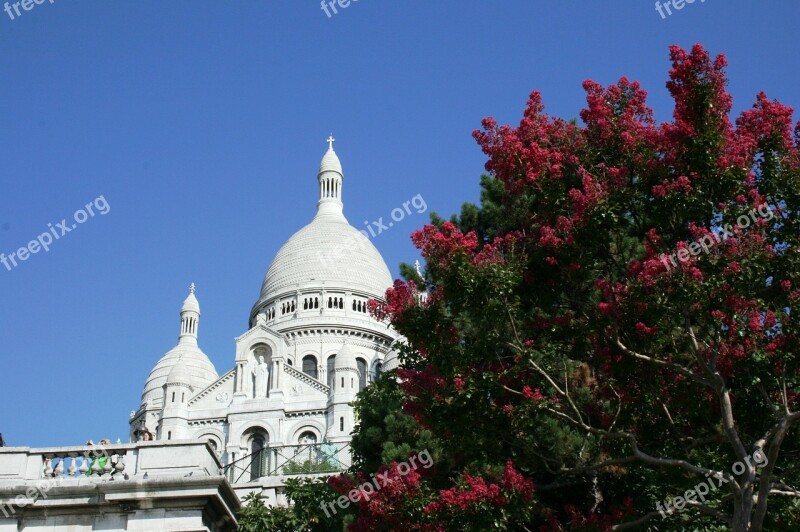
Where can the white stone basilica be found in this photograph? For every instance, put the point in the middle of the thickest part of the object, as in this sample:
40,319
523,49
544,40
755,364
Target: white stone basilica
200,442
310,348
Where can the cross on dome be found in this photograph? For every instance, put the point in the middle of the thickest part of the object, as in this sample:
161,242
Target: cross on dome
192,288
330,140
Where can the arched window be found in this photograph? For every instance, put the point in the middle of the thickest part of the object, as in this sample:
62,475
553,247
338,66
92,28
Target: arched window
331,366
316,302
361,364
330,303
258,456
310,365
341,303
378,370
212,441
307,438
354,304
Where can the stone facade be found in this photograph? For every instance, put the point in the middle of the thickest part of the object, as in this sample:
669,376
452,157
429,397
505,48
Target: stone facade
201,441
310,346
165,486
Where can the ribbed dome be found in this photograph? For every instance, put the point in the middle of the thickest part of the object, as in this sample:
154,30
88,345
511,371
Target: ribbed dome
197,371
191,304
391,361
330,163
179,374
345,358
327,252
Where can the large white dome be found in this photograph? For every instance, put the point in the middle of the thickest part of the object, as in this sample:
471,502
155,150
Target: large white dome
329,252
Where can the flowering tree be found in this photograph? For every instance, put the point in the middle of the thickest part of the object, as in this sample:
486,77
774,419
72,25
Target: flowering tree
614,326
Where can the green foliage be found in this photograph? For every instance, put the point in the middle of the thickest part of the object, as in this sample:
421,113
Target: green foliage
308,467
488,219
557,336
384,433
304,514
409,273
558,350
257,517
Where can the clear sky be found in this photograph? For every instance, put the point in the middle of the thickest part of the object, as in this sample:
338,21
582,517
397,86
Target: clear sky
202,125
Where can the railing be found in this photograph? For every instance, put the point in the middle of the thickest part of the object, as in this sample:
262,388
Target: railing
108,462
304,459
90,462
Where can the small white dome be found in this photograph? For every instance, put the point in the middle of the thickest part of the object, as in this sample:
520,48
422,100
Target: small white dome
179,374
191,304
195,369
330,163
391,361
345,358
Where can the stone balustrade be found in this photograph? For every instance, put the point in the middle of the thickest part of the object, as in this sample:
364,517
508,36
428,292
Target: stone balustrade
109,462
93,461
156,485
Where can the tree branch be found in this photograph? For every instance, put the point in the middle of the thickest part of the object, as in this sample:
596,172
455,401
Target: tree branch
677,368
704,509
777,433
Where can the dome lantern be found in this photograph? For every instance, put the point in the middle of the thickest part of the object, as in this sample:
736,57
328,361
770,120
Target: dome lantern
327,253
195,371
190,318
330,179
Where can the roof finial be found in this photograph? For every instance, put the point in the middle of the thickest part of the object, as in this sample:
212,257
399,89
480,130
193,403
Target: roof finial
330,142
416,265
192,288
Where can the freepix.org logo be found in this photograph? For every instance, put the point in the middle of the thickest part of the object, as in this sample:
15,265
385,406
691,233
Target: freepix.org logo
372,229
55,232
12,8
329,6
666,8
707,242
368,489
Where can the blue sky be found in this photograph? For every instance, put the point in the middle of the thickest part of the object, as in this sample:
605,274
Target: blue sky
202,124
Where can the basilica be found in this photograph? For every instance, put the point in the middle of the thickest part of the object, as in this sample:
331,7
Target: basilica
311,345
201,441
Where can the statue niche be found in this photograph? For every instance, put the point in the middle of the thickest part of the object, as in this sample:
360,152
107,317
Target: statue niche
261,371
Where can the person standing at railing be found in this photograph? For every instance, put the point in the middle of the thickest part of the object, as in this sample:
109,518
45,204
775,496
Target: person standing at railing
101,458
